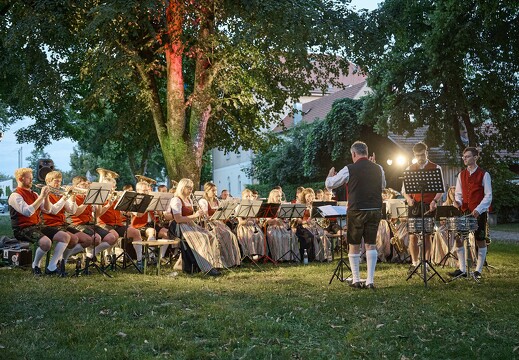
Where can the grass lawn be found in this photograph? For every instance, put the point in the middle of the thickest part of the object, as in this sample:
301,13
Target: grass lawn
512,227
271,312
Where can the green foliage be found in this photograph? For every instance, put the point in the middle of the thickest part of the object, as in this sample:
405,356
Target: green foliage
505,194
449,65
110,69
331,138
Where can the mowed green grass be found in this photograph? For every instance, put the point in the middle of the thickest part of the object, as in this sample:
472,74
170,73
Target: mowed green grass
270,312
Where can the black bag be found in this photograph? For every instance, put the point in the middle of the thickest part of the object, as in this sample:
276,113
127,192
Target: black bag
189,265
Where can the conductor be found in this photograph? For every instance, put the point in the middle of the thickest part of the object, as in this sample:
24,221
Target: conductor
365,181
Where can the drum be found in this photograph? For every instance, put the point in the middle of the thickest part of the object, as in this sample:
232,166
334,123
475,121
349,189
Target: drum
462,224
414,225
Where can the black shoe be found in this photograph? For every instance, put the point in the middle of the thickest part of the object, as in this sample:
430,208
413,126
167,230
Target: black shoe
36,271
357,285
214,272
457,273
370,286
53,272
477,275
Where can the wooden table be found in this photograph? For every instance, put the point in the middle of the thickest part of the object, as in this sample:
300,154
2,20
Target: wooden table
155,245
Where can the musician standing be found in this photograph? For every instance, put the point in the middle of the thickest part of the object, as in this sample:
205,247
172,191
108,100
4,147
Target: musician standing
421,154
365,180
474,196
25,207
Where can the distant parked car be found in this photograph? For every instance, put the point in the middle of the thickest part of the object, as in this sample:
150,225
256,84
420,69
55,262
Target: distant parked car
3,208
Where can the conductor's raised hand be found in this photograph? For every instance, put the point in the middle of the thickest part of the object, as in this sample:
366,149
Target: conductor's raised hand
332,172
372,158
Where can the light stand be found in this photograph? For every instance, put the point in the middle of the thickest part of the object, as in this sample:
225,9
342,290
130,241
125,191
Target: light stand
423,182
291,211
97,195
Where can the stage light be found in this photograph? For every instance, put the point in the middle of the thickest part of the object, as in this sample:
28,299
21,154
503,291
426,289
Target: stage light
401,160
389,162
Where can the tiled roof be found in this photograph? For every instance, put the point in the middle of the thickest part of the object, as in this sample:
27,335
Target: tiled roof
319,108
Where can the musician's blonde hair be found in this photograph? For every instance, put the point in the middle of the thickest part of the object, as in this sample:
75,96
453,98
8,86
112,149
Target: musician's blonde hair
246,192
18,173
78,179
208,186
272,194
302,196
53,175
181,185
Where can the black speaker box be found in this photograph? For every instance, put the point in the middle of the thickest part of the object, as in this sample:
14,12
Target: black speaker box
45,166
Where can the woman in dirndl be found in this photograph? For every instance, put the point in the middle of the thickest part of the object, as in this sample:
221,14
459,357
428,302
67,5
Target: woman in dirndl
280,237
228,243
250,236
202,242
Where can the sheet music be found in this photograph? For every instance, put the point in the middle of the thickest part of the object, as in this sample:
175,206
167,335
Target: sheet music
331,210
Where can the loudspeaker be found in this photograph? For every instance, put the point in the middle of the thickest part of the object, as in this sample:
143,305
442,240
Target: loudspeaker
45,166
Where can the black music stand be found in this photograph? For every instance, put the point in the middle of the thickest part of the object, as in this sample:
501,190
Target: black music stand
248,209
291,211
338,212
131,201
267,211
97,195
423,182
159,203
443,212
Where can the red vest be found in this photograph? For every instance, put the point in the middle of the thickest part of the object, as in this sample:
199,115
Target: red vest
111,217
472,188
141,221
427,198
54,219
21,221
86,216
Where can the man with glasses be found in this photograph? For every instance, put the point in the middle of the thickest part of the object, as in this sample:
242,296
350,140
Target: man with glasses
473,196
420,152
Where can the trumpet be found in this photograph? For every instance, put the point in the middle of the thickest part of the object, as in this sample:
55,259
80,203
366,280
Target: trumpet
63,190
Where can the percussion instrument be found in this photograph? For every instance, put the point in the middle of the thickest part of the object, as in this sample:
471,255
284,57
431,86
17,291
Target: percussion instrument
462,223
414,225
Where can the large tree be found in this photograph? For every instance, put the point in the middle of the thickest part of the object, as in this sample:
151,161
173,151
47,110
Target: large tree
451,65
202,73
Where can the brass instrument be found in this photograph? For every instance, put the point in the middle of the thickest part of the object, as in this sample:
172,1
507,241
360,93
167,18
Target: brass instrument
105,175
396,241
63,190
142,178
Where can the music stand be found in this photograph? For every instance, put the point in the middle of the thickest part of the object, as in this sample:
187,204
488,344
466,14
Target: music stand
441,213
131,201
422,182
291,211
248,209
159,203
97,195
267,211
339,212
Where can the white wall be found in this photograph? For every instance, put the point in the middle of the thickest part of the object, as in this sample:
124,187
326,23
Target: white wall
4,184
231,177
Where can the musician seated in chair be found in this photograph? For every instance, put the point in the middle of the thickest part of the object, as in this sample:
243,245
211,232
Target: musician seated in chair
25,207
83,219
61,203
144,223
430,201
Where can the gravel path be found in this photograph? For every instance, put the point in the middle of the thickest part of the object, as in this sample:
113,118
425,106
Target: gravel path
504,236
